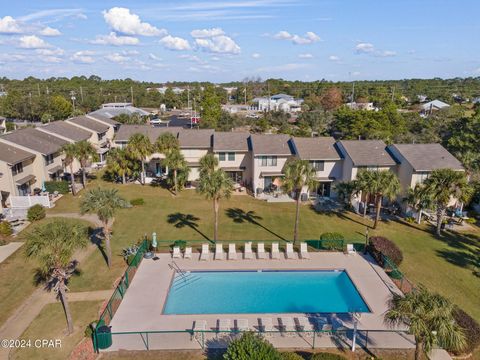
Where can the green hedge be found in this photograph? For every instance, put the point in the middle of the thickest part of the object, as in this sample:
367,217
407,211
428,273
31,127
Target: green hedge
327,356
5,228
36,212
61,186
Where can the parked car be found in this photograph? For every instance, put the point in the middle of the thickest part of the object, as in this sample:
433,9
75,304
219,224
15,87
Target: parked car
155,121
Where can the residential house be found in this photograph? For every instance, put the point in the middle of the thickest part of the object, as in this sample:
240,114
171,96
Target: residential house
194,144
48,164
17,174
323,155
417,161
279,102
431,106
361,106
113,124
269,155
3,125
234,157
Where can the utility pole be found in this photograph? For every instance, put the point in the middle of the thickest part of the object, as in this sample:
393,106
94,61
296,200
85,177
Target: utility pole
353,92
38,89
72,96
48,91
393,92
131,91
269,98
188,100
81,94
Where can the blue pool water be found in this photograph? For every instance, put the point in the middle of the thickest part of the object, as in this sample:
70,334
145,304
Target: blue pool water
252,292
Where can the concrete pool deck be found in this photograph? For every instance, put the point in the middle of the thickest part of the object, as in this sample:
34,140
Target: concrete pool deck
141,308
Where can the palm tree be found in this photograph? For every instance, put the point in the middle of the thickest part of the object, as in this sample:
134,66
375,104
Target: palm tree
70,152
298,174
444,184
139,148
430,319
384,184
166,142
104,203
53,245
174,160
419,200
215,185
208,163
363,185
84,152
345,190
119,163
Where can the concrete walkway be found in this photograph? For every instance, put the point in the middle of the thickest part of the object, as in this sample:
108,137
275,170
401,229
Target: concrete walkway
439,354
9,249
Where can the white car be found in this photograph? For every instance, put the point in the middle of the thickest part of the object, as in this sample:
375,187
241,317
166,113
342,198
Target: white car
156,121
252,116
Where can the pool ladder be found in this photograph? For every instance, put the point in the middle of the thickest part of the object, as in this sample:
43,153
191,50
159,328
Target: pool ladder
174,266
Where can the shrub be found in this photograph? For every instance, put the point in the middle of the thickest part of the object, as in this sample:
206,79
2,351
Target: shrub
327,356
89,330
61,186
36,212
290,356
410,219
378,246
182,244
5,228
471,329
332,241
137,202
2,241
251,346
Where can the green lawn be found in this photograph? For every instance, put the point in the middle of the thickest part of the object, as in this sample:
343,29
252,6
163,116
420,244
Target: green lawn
51,324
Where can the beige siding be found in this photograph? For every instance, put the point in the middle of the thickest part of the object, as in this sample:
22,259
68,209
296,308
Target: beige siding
258,181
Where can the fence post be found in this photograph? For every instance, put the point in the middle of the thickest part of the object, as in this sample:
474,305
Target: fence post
314,336
126,278
203,340
148,348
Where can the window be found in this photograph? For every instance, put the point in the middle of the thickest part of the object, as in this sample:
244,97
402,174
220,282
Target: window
231,156
221,156
17,168
421,177
268,161
48,159
318,165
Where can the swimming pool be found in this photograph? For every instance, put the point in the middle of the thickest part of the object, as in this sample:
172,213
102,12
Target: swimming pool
256,292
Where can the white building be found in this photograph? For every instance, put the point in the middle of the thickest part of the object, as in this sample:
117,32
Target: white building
279,102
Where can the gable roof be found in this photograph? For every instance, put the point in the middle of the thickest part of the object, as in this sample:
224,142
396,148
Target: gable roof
270,144
67,130
367,152
36,140
103,119
13,155
111,112
199,138
126,131
230,141
427,157
316,148
88,123
434,104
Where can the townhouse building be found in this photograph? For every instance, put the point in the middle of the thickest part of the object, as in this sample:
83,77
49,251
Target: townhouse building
195,143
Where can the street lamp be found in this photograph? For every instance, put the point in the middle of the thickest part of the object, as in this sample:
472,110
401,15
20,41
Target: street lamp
366,240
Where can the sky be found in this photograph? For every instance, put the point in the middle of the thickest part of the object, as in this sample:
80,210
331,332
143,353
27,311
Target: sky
221,41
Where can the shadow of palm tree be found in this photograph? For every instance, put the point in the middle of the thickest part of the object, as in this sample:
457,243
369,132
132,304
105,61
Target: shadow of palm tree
96,237
241,216
181,220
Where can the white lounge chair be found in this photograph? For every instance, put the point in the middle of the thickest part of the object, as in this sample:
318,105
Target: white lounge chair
241,325
287,325
275,252
198,325
261,254
223,325
248,250
219,253
232,252
205,255
351,250
289,252
188,253
176,252
304,251
266,327
303,324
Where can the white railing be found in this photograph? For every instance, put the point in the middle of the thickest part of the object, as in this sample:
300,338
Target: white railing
25,202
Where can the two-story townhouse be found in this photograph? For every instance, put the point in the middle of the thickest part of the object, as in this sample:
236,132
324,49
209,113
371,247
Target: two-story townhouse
417,161
17,174
113,124
323,155
101,134
270,152
231,149
195,143
48,164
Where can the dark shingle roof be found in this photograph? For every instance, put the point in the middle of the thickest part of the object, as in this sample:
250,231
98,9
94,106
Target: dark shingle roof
230,141
273,144
368,152
67,130
36,140
90,124
317,148
104,119
200,138
126,131
428,157
12,155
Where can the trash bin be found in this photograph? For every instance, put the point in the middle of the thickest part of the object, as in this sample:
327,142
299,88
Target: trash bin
104,337
303,197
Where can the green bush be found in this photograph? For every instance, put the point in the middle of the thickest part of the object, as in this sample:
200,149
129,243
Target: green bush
471,329
290,356
5,228
36,212
61,186
410,219
137,202
332,241
379,245
471,220
327,356
182,244
251,347
2,241
89,330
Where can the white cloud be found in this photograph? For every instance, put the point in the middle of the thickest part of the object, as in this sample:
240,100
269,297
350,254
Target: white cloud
117,58
175,43
219,44
50,52
309,37
9,25
33,42
130,52
114,39
387,53
256,55
281,68
305,56
207,33
333,58
364,48
122,20
83,57
51,59
154,57
48,31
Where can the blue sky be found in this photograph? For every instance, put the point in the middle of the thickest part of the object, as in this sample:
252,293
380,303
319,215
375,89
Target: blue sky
224,40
